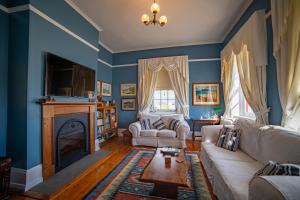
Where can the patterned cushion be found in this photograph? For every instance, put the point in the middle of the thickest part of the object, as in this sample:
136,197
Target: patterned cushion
174,124
229,138
145,124
274,168
159,125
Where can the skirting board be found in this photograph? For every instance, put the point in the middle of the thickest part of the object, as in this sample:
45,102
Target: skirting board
23,180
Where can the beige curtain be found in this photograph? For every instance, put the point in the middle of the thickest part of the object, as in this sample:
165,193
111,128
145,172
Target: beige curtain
250,49
178,70
286,31
226,79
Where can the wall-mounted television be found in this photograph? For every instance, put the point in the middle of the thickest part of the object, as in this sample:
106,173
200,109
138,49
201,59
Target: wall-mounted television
66,78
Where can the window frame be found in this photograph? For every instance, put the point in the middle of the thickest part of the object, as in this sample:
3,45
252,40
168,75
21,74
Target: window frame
153,110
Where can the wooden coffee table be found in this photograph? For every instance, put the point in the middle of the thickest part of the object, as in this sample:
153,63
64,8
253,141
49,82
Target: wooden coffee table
166,180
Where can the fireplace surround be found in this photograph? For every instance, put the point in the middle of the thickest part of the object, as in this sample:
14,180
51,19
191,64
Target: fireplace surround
68,134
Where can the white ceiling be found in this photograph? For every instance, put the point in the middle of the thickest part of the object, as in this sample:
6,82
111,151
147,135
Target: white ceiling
189,21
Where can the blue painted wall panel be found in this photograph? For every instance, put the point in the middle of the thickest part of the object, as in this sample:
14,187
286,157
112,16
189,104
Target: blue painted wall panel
17,88
13,3
105,55
61,12
44,37
194,52
3,80
124,75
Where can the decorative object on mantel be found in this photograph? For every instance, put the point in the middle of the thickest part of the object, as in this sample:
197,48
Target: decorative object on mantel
155,8
206,94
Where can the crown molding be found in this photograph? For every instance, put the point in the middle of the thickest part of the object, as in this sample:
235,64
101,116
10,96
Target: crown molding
106,47
237,18
3,8
14,9
85,16
169,46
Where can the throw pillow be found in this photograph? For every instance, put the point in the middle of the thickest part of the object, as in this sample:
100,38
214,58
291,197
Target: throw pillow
174,124
159,125
229,138
276,169
145,124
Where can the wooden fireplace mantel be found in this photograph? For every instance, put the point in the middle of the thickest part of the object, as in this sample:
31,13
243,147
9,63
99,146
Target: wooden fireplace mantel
49,111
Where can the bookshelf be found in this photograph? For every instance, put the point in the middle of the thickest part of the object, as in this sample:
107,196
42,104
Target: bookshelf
107,122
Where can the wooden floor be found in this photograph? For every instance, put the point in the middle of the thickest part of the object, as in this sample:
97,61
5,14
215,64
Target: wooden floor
87,180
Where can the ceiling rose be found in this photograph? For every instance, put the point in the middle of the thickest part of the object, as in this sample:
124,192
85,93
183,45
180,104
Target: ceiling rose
155,8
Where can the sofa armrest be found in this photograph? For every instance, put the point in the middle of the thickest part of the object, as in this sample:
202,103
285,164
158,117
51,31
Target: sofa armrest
183,130
275,187
210,133
135,129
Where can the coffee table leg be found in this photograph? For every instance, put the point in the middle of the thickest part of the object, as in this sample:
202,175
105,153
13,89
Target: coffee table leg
165,190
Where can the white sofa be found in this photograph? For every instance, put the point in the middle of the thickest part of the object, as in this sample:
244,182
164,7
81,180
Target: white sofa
230,172
160,138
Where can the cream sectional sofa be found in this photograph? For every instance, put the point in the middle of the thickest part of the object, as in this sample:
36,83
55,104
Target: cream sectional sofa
160,138
230,172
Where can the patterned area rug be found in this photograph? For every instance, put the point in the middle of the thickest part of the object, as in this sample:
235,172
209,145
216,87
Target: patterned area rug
123,182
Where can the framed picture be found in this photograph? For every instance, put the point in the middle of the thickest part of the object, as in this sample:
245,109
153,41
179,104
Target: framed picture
128,89
105,89
98,88
128,104
206,94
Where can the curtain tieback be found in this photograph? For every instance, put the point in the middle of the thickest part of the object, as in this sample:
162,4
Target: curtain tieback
262,112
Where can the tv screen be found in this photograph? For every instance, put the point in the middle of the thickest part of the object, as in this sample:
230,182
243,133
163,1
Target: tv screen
66,78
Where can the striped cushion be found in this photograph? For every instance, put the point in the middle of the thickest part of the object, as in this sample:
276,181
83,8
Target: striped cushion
145,124
174,124
159,125
229,138
273,168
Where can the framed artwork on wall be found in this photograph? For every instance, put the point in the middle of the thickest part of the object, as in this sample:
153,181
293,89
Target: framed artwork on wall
98,88
128,104
128,89
206,94
105,89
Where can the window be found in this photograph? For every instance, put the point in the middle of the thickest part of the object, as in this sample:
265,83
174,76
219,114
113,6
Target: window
240,106
163,101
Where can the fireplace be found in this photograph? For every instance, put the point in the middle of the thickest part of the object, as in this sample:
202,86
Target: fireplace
68,134
71,139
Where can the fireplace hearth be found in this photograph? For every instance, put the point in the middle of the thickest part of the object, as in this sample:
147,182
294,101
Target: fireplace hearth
71,133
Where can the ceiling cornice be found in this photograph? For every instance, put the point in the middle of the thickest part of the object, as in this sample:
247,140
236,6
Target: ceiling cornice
237,18
106,47
85,16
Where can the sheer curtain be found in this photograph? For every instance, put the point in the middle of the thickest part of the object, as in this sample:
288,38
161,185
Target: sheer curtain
250,49
178,71
286,31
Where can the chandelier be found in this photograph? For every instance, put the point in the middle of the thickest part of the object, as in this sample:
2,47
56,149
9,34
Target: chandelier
155,8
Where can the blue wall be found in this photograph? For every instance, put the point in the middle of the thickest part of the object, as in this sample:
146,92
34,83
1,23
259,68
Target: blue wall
104,72
26,70
199,72
272,90
3,80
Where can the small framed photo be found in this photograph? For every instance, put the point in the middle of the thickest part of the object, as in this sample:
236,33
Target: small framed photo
105,89
128,104
128,89
206,94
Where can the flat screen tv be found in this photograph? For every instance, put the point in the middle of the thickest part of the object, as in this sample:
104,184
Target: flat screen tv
68,79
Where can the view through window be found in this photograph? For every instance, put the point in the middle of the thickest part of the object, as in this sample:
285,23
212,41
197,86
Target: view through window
163,101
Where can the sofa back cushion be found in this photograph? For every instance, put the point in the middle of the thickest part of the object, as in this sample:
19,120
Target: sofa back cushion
278,144
250,132
168,118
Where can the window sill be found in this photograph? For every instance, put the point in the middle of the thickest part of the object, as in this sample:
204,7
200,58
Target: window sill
162,113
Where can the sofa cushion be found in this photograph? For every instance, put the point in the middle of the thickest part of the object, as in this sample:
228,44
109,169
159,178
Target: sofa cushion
168,118
152,118
148,133
159,125
166,133
278,144
229,138
174,124
145,124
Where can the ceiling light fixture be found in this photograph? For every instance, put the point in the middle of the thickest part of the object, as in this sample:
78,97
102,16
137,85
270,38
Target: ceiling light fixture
155,8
